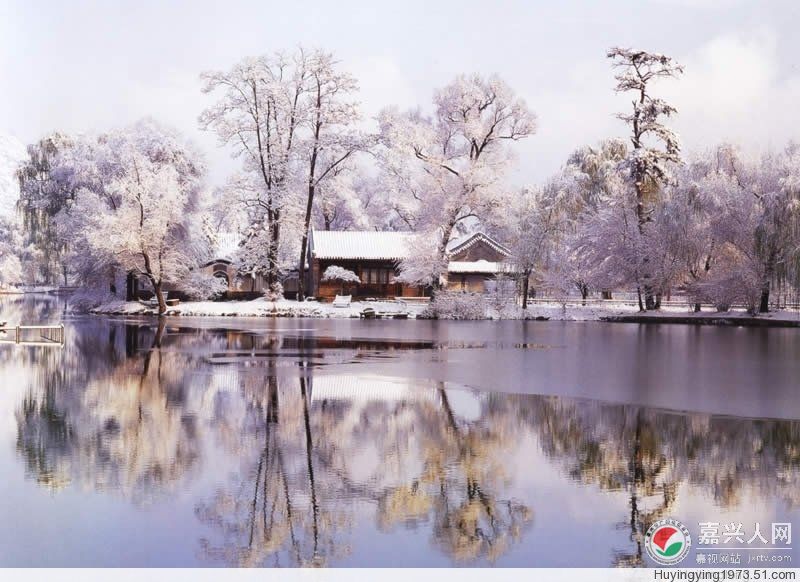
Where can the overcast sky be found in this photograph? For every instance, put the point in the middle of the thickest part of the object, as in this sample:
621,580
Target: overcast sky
89,66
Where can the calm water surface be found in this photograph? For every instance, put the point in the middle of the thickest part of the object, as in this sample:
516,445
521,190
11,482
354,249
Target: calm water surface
255,442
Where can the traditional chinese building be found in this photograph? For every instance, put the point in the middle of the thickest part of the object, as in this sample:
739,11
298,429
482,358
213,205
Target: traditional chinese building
221,265
373,256
476,260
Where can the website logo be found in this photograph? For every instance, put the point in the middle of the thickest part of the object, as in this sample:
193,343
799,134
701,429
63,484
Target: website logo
667,542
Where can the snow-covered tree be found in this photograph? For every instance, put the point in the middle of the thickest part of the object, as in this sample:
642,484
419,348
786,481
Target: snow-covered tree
765,220
261,108
347,201
291,119
654,145
329,140
589,189
146,219
448,168
426,266
10,240
44,190
534,225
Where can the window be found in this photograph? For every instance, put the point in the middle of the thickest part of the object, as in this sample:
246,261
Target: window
374,276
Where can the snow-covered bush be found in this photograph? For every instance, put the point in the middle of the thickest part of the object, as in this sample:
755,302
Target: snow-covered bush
501,294
733,280
10,270
274,293
456,305
337,273
202,286
84,299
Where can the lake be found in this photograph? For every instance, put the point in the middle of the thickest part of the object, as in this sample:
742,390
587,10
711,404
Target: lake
302,442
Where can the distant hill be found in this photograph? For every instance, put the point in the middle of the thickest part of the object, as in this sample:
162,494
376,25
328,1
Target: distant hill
12,152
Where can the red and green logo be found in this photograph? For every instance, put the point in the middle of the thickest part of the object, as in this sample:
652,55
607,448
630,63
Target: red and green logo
667,541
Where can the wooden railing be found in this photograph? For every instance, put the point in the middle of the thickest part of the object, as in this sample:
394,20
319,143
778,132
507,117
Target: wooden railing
33,335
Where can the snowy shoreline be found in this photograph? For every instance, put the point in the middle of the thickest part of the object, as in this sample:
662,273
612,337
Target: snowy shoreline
542,312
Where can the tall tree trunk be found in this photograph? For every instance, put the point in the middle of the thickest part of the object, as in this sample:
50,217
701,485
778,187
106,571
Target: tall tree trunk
162,304
156,283
130,287
157,287
766,284
525,284
442,254
763,304
639,176
301,283
272,255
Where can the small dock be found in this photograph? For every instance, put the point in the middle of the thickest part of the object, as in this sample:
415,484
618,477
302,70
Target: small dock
32,335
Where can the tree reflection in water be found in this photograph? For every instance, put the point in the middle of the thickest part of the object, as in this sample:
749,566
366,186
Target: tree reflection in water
143,411
649,453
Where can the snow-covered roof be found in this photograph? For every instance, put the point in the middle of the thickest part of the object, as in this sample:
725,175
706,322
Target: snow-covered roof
482,266
462,243
361,244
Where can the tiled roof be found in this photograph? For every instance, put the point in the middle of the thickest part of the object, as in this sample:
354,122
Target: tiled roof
366,245
466,241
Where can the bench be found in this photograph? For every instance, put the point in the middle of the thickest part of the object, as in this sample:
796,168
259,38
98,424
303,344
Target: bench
342,301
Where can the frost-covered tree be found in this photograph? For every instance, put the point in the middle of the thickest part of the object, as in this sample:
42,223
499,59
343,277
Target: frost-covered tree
448,168
347,201
146,218
590,190
10,241
291,120
259,112
769,214
45,189
692,223
534,225
654,145
426,266
329,140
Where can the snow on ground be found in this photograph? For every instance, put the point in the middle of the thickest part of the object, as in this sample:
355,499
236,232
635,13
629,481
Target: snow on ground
260,308
551,311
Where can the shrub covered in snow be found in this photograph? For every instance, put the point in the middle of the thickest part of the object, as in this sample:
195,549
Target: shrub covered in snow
201,286
337,273
456,305
274,293
733,280
87,298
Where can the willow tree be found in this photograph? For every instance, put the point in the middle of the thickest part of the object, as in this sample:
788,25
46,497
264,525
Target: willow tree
654,145
44,191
